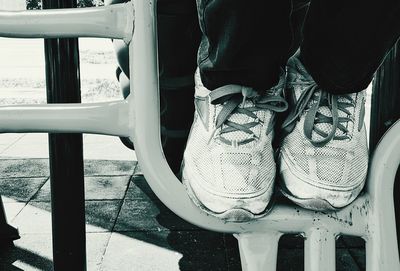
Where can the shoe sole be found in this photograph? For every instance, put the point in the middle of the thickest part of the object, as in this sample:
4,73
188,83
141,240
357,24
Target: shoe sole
230,215
315,204
310,204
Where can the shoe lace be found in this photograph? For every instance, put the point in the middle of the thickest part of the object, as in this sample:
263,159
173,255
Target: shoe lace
310,102
231,97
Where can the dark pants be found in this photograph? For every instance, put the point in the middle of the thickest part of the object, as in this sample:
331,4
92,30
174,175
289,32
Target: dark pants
248,42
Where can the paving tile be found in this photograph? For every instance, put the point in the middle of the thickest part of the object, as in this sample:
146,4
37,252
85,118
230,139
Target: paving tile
126,252
106,187
96,188
96,245
340,243
33,145
139,189
40,168
10,138
358,255
291,241
109,168
169,220
165,251
24,168
3,147
12,209
137,215
138,170
20,189
101,215
353,242
34,218
34,252
101,147
44,193
31,252
290,259
140,215
344,261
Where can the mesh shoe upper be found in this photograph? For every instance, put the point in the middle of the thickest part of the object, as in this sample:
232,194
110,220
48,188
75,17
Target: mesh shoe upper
325,146
229,156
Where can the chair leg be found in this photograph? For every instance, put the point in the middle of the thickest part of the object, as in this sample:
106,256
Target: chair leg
381,260
7,232
258,251
381,246
319,250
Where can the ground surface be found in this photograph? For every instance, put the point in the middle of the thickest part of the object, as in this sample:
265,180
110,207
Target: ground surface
128,228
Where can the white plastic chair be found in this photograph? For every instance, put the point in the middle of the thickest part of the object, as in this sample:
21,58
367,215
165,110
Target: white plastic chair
371,216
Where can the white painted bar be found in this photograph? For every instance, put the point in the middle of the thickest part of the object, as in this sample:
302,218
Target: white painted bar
113,21
319,250
381,243
109,118
258,250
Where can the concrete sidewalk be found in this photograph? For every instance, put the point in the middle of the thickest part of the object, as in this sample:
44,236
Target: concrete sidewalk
128,228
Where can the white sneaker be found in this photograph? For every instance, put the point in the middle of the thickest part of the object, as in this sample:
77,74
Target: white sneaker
324,157
228,165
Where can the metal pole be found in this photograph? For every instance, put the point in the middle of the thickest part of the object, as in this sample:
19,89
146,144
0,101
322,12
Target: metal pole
385,110
66,153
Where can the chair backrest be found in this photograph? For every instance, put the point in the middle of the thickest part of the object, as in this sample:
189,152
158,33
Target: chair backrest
371,216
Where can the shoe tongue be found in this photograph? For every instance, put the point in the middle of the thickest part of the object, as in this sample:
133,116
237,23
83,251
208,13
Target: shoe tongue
327,127
239,118
297,73
248,92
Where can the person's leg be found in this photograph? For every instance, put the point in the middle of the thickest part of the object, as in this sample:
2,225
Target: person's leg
297,18
229,167
244,43
324,155
345,41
